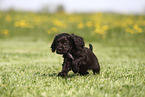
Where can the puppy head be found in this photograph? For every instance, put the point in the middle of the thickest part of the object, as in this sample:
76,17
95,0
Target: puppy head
61,44
64,42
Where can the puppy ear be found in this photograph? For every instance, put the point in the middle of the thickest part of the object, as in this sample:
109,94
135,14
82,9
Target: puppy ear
77,41
53,45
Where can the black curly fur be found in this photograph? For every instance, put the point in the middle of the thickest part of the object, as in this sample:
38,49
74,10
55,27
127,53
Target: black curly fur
53,46
77,58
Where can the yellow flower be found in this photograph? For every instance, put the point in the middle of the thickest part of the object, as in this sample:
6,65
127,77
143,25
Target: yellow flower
144,22
130,30
49,31
22,24
59,23
101,29
54,29
71,19
5,31
134,30
37,19
8,18
105,27
80,25
135,27
138,30
129,21
101,32
89,24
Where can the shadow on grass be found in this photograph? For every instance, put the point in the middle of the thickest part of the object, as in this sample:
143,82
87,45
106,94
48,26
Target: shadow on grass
56,75
51,75
73,75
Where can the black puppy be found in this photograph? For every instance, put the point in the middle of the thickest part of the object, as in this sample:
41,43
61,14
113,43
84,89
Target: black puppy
76,57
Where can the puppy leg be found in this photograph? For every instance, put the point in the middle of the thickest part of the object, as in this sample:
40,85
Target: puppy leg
65,68
74,66
64,72
96,69
83,73
77,63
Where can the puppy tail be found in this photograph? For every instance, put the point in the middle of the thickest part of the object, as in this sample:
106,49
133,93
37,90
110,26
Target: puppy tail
91,47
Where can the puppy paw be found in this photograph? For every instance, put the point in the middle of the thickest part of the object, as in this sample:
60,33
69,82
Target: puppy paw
62,74
84,73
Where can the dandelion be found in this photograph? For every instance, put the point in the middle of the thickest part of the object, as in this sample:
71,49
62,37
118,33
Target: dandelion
130,30
37,19
143,22
80,25
105,27
54,29
49,31
8,18
71,19
98,31
101,29
59,23
89,24
5,31
138,30
129,21
135,29
22,24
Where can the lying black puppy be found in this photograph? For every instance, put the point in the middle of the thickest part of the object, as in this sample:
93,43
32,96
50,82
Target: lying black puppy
76,57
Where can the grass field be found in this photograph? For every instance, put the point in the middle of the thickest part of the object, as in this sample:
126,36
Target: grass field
28,68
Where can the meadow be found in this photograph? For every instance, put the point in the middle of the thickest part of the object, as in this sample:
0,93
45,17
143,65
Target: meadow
28,68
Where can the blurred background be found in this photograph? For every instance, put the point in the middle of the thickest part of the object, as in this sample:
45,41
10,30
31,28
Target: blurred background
92,19
71,6
115,28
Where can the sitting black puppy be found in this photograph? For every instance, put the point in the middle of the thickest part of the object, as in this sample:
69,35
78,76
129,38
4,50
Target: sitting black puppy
77,58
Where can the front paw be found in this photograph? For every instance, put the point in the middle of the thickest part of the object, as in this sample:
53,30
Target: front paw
62,74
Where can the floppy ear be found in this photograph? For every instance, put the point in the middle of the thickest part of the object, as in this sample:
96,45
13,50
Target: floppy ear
77,41
53,45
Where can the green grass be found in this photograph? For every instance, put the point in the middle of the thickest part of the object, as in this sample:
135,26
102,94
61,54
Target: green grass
28,68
